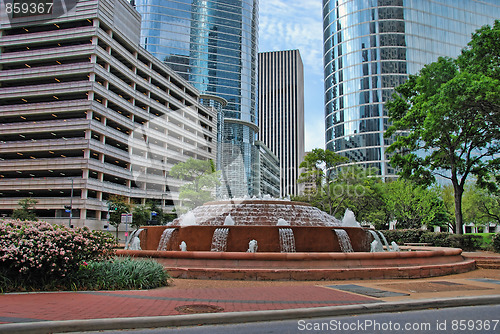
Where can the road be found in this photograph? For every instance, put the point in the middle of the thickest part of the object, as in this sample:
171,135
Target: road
472,319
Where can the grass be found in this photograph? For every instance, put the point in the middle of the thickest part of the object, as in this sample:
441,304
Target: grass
121,274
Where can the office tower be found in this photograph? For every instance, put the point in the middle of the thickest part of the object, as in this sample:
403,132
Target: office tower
370,47
86,113
269,171
213,45
281,113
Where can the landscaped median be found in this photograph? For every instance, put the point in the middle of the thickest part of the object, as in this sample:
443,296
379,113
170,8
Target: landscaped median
37,256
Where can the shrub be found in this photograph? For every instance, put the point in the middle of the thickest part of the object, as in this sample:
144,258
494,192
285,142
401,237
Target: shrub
467,242
496,242
438,239
404,236
120,274
35,253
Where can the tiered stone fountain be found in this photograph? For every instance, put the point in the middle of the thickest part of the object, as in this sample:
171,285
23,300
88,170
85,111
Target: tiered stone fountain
280,239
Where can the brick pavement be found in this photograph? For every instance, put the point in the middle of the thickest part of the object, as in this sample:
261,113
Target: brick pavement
234,296
159,302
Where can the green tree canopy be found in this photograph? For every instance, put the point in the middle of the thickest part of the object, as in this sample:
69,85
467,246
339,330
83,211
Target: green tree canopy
27,210
480,206
140,215
203,180
414,206
444,120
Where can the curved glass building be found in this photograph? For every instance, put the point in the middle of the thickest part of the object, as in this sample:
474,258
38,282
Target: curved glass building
213,44
370,47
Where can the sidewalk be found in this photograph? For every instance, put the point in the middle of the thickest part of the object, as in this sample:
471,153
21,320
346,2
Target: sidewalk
191,302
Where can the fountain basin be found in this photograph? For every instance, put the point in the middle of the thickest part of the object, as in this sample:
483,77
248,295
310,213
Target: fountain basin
307,238
295,241
418,263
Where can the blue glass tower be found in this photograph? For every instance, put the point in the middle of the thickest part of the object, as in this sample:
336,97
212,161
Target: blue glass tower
213,44
370,47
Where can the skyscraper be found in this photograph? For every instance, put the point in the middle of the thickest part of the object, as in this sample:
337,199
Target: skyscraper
281,112
213,44
370,47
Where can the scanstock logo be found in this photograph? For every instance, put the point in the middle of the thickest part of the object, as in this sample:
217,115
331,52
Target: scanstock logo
20,11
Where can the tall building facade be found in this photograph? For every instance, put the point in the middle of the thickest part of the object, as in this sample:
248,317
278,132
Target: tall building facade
281,113
213,45
269,176
86,113
370,47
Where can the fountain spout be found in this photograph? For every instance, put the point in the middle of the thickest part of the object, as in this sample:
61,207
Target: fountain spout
252,246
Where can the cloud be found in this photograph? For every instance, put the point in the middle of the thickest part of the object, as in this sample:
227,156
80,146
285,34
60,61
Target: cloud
298,24
293,24
315,127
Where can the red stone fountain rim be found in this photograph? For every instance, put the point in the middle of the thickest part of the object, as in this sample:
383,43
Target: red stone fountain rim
416,252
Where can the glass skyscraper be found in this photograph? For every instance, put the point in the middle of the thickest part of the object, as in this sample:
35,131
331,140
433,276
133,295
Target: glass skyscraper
213,44
370,47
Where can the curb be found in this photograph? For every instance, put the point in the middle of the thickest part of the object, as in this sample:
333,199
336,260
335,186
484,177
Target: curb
239,317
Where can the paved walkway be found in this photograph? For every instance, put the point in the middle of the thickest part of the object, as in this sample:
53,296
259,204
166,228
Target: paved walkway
32,312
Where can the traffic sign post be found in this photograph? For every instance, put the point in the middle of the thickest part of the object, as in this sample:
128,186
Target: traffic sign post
126,218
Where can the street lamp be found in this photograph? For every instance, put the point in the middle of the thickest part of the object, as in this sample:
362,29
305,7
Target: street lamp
69,208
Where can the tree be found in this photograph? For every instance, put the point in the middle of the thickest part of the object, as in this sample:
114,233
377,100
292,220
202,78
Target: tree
203,180
117,205
27,210
445,121
140,215
414,206
355,188
448,197
316,165
336,189
480,206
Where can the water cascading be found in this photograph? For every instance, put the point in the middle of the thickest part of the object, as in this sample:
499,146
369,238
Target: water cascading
287,240
344,241
165,238
378,246
219,239
386,244
134,243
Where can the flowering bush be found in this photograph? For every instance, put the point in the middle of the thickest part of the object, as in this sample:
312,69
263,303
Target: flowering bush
40,251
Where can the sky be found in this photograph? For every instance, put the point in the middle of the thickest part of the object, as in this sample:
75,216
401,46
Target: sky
298,24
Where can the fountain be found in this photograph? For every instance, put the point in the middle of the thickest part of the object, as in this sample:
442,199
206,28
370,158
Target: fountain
295,242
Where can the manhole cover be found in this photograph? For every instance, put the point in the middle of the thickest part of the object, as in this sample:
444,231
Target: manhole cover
199,308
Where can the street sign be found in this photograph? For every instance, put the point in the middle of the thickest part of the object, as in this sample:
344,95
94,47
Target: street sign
126,218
